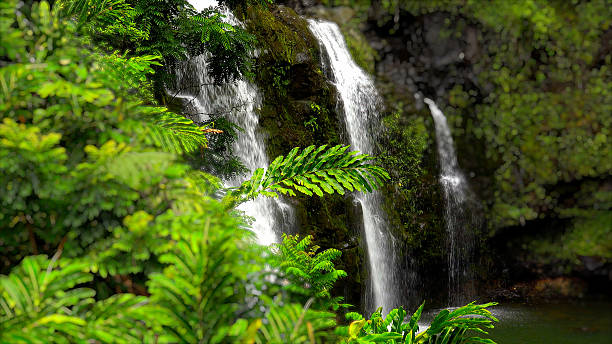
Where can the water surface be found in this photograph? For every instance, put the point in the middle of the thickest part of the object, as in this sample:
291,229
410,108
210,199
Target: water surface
588,322
557,323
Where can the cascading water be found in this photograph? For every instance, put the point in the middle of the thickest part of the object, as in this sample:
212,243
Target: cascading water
457,212
359,103
203,4
239,101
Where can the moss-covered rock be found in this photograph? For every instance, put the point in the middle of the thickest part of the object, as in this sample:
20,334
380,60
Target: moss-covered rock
412,199
299,109
299,104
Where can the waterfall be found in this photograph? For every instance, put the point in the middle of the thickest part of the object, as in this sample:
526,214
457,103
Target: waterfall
199,5
238,101
359,103
457,215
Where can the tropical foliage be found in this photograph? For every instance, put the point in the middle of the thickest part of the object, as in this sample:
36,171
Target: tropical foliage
538,105
43,301
94,175
448,326
79,150
527,95
172,30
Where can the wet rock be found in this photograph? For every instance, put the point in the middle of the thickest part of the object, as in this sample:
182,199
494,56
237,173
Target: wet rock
295,92
340,15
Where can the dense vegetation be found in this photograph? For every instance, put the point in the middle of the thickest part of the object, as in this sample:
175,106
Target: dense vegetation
525,85
109,234
540,108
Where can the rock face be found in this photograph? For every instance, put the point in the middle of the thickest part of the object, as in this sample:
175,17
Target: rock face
438,54
406,149
418,56
453,55
299,109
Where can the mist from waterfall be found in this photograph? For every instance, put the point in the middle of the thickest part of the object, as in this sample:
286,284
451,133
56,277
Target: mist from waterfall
238,102
457,212
359,105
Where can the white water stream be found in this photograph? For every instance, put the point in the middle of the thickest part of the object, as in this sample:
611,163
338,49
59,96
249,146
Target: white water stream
359,104
457,213
238,101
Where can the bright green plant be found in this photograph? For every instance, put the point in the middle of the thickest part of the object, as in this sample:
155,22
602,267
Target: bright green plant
79,150
312,122
42,301
175,133
310,273
313,170
448,327
170,29
202,290
92,174
293,323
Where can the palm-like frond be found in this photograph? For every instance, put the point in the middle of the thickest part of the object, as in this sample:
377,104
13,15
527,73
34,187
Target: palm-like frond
117,319
41,302
198,294
451,327
175,133
314,170
35,301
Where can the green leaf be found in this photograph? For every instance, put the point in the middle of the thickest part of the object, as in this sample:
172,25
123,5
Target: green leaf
315,170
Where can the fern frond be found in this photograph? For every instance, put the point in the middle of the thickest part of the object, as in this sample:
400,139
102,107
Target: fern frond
204,275
175,133
448,327
86,10
314,170
311,273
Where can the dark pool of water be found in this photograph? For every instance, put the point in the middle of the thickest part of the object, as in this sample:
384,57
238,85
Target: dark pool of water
556,323
588,322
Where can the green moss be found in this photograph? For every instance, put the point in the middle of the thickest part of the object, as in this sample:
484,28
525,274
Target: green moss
295,92
289,73
283,34
413,187
361,51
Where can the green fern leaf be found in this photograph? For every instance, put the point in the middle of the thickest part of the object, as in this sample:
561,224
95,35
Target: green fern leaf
175,133
314,170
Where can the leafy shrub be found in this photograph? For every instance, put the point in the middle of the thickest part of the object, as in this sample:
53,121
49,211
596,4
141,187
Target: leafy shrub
448,327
